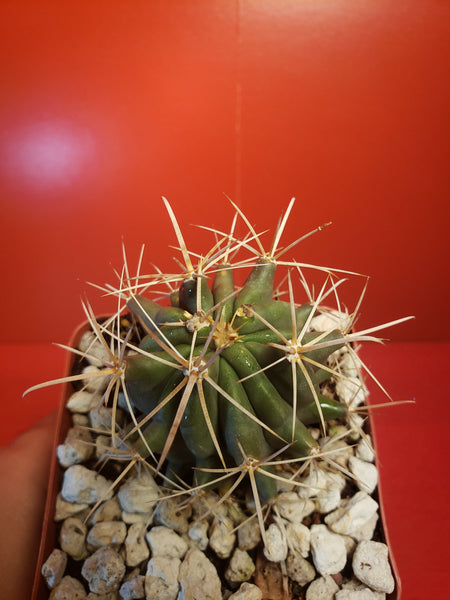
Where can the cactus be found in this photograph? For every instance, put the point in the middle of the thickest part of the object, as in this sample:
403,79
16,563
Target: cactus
224,379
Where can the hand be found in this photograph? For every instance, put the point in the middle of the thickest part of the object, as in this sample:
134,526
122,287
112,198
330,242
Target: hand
24,470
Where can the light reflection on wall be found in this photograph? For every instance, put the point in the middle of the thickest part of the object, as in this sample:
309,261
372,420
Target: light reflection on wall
47,154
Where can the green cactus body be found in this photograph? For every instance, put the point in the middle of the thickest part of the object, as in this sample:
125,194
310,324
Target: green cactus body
233,348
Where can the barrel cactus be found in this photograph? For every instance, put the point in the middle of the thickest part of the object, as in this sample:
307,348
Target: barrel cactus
223,380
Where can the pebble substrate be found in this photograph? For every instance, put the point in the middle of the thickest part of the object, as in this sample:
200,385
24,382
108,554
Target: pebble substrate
323,538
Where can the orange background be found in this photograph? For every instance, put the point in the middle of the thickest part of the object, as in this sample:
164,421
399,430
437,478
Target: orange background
108,105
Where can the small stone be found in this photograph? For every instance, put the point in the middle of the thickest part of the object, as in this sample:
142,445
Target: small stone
81,485
95,380
107,533
101,418
329,320
139,494
298,538
328,550
366,531
80,420
133,589
361,594
276,548
198,533
205,506
352,514
68,589
170,514
350,364
371,566
299,569
161,579
198,578
72,538
350,544
102,445
81,402
95,351
166,542
323,588
293,507
64,509
104,570
77,447
249,535
130,518
240,568
364,449
222,538
54,567
351,391
366,474
107,511
136,549
354,585
247,591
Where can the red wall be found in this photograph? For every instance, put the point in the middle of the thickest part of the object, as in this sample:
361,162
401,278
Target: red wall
108,105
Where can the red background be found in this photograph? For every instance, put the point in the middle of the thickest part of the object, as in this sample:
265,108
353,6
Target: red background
107,105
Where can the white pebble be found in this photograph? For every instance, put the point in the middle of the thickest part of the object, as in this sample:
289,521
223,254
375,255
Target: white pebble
161,579
77,447
371,566
240,568
198,578
170,514
95,380
350,364
107,533
325,486
101,418
165,542
54,567
351,391
82,401
136,548
352,515
298,538
366,474
104,570
72,538
198,533
361,594
276,547
327,321
247,591
323,588
139,494
249,534
68,589
96,352
299,569
82,485
64,509
107,511
354,585
222,537
328,550
293,507
364,449
133,589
